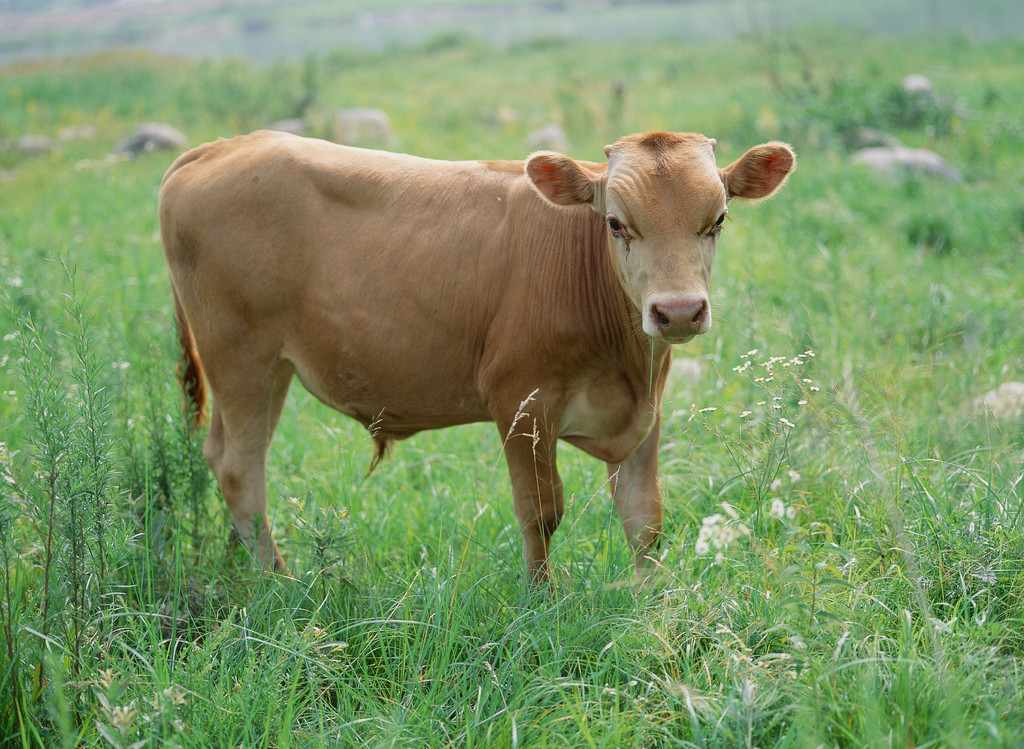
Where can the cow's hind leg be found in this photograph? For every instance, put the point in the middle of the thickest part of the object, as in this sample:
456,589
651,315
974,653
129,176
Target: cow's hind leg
241,427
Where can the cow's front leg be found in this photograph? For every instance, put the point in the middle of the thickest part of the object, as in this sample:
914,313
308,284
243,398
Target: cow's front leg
530,451
634,484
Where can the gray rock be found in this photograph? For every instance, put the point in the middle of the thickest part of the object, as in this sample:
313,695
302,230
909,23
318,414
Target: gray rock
78,132
362,126
293,126
152,136
866,137
897,161
917,84
548,138
1005,402
686,372
31,144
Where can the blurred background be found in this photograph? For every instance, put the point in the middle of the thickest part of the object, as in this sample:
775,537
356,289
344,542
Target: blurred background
266,30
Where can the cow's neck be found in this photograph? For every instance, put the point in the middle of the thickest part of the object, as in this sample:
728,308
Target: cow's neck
574,293
643,358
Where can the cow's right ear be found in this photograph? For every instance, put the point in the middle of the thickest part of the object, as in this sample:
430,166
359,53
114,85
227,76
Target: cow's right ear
560,180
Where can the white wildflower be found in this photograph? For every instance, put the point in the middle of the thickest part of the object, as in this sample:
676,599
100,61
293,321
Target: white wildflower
717,532
712,520
730,510
778,509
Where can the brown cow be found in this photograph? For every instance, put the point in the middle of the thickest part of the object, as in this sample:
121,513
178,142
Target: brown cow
415,294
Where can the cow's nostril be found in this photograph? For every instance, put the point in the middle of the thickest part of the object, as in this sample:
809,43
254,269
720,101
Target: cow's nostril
698,318
661,318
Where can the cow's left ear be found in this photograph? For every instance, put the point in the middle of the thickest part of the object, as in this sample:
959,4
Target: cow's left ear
760,172
560,180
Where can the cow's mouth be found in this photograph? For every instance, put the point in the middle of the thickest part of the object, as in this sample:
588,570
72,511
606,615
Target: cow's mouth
672,340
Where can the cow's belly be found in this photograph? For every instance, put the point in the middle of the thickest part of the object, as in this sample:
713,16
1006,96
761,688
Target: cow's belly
393,392
606,419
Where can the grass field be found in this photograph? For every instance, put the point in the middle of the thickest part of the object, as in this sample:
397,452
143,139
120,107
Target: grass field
844,530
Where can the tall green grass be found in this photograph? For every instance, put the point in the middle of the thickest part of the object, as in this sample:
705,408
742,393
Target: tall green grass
842,557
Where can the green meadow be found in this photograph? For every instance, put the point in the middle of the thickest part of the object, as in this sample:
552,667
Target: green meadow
843,559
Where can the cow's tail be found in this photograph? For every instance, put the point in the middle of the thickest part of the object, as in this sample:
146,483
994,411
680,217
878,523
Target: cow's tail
190,369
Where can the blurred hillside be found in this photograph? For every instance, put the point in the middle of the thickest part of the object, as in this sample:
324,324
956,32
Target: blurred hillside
265,30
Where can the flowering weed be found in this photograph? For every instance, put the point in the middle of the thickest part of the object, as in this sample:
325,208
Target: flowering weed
758,436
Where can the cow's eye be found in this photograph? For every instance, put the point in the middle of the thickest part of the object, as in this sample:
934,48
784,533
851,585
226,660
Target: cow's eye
616,227
718,225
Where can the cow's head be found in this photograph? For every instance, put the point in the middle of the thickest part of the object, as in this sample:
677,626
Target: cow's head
664,201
